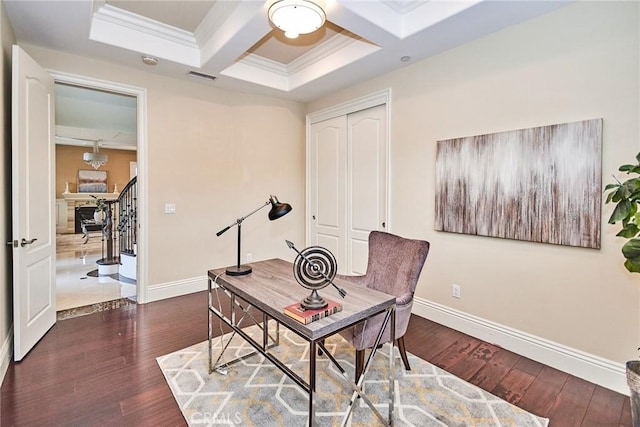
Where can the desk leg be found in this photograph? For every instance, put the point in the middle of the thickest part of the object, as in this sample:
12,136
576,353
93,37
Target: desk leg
357,386
210,327
391,366
312,382
265,331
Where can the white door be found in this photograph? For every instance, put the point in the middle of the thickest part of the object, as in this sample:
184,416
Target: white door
367,183
348,184
328,162
33,203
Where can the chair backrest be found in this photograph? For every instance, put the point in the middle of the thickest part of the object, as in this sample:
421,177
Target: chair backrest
395,263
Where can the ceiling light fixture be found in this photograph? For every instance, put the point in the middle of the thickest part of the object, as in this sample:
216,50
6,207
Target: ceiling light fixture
95,158
296,17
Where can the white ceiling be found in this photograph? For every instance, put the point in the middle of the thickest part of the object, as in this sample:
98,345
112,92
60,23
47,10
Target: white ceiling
85,116
234,41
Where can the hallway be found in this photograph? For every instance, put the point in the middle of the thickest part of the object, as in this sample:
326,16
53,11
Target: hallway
77,283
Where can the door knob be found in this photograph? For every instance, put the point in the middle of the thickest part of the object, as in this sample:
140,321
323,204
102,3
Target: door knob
13,243
24,242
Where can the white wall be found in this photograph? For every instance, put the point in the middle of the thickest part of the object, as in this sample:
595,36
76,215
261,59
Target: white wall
579,62
217,155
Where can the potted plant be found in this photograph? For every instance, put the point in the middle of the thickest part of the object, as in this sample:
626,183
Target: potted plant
101,208
626,195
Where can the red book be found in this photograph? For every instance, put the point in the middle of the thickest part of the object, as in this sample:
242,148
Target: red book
307,316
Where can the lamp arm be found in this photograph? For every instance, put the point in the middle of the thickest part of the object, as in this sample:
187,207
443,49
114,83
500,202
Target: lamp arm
239,220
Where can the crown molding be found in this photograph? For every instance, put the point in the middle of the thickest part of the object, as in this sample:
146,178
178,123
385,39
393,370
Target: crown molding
257,61
145,25
340,50
122,28
314,56
259,70
215,18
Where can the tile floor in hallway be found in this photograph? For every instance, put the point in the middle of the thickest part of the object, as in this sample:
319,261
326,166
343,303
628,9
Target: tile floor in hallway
75,286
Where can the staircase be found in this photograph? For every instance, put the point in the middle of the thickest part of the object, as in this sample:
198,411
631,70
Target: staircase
127,229
120,225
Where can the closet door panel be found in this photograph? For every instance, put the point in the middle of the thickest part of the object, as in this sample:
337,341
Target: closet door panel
327,187
366,192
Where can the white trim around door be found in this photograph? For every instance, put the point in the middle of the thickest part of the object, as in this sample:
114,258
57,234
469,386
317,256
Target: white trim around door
382,97
141,96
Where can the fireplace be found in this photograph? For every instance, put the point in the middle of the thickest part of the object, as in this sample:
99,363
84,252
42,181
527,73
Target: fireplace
83,213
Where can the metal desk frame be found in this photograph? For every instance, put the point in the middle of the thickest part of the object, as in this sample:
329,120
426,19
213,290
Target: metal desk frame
218,281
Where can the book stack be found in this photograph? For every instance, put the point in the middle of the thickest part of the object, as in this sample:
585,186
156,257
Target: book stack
295,311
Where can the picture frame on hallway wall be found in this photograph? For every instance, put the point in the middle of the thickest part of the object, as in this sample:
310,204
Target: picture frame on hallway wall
92,181
541,184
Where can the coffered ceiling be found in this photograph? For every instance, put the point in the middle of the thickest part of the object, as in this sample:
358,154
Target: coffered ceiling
233,41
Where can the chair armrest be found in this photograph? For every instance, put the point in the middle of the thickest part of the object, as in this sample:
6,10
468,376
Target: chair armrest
404,299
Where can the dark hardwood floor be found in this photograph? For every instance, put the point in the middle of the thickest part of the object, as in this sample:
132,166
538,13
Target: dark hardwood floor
100,369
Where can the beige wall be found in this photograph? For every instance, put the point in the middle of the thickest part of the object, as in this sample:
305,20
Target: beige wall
217,155
69,162
6,303
580,62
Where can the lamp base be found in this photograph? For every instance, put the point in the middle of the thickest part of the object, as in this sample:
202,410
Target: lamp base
238,270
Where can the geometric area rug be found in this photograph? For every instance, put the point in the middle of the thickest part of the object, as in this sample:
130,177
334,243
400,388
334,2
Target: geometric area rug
255,393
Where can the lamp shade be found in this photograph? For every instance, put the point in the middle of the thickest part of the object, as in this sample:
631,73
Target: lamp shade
278,209
296,17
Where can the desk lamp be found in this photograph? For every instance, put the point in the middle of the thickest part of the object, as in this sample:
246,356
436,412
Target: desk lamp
277,210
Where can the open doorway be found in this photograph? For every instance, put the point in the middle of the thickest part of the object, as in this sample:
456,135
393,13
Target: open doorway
96,143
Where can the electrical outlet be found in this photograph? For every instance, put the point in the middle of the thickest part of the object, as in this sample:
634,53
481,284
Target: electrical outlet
249,257
169,208
455,291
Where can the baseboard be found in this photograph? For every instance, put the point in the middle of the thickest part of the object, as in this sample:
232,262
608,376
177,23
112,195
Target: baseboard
6,354
583,365
177,288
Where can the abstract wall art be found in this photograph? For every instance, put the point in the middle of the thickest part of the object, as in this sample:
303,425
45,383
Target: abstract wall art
539,184
92,181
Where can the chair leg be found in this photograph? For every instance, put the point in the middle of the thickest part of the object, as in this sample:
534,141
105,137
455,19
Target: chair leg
403,354
359,363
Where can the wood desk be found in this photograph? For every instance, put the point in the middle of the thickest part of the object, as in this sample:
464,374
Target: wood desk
269,288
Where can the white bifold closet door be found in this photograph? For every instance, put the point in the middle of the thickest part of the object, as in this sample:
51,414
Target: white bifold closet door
348,184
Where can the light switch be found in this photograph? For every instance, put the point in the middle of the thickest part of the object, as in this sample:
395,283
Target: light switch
169,208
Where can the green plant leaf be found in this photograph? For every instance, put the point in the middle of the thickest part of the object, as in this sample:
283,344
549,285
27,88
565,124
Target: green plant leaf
631,249
622,193
638,157
622,211
632,184
633,265
629,231
610,186
610,196
625,168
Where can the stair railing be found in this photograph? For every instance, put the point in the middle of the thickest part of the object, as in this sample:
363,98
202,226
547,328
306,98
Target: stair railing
128,217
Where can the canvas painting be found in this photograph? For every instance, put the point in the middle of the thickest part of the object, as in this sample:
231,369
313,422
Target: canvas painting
539,184
92,181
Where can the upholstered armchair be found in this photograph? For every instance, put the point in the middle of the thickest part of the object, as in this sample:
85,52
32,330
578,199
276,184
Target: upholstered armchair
394,266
